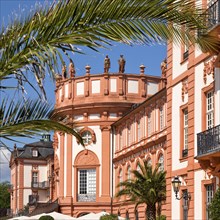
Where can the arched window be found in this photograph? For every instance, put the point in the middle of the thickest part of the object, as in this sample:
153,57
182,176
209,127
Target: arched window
119,214
138,168
120,178
138,130
127,215
129,172
149,126
161,118
149,162
136,215
161,162
129,135
120,140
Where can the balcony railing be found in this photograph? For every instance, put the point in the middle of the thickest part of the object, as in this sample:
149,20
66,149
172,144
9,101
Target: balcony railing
214,14
33,199
86,197
208,141
40,185
213,17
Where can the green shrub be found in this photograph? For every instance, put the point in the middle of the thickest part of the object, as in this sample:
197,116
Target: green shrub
109,217
162,217
46,217
214,207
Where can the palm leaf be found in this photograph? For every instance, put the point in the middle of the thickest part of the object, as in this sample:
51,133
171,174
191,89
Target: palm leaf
148,186
26,119
39,38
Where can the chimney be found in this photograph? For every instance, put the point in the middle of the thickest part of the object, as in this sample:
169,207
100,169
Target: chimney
45,137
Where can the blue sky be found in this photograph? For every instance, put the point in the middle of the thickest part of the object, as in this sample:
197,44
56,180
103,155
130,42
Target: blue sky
150,56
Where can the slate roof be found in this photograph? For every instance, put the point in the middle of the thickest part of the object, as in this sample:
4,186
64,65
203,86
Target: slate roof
44,148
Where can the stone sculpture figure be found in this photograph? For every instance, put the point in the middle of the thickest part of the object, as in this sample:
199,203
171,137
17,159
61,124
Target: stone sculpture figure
72,70
121,63
163,67
107,64
64,74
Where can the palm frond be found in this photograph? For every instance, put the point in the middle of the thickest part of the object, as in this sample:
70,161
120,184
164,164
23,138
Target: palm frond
36,42
148,186
26,119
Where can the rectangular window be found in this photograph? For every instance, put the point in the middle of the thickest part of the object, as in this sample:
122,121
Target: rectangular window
209,110
34,153
34,177
120,140
149,124
129,135
185,129
161,118
87,181
185,206
139,130
185,47
209,197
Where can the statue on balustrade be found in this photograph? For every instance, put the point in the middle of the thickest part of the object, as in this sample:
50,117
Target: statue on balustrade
107,64
72,70
121,63
64,73
163,67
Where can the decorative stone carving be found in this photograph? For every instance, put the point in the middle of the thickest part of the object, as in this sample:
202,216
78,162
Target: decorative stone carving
209,68
184,88
55,141
83,159
56,163
163,67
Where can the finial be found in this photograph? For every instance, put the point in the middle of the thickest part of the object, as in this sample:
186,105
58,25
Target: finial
72,70
142,67
87,69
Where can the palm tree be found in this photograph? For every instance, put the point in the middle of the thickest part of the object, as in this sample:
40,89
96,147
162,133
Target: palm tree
147,187
37,42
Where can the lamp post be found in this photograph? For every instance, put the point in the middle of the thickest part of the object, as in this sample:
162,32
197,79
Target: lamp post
176,187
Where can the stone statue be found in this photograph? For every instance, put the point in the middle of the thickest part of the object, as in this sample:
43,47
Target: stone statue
121,63
163,67
72,70
64,74
107,64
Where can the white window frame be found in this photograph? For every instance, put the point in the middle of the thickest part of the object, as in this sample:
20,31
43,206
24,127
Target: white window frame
129,135
139,135
129,173
210,109
90,181
35,177
35,153
149,124
185,129
120,178
86,137
120,140
161,162
161,111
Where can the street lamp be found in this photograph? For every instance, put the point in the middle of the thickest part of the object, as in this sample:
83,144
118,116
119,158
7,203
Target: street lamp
176,187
